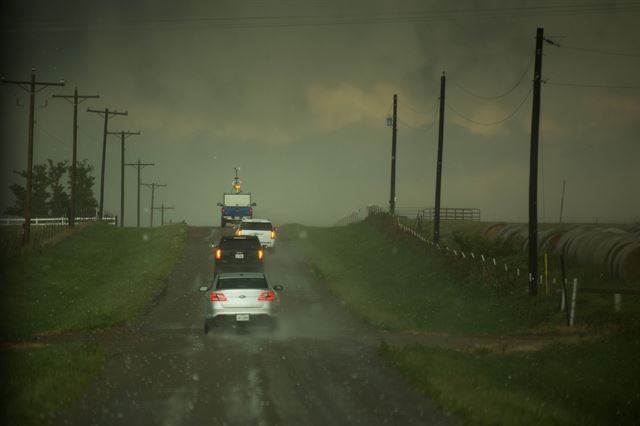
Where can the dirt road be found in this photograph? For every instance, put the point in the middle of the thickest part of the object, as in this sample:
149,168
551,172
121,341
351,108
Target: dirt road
319,368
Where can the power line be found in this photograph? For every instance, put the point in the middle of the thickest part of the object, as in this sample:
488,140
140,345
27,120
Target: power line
281,21
420,112
502,95
600,52
494,123
593,86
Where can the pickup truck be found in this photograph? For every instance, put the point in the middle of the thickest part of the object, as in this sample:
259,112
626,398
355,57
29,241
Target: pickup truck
235,207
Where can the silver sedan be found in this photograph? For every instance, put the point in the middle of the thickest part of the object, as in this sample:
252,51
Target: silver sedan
241,298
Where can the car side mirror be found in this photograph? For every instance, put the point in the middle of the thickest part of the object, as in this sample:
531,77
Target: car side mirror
253,204
204,288
219,204
278,287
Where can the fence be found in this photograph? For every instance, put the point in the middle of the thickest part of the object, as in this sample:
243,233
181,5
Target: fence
42,230
515,272
44,221
452,213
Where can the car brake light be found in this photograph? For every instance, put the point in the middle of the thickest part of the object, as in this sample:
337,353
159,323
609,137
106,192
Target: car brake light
273,234
218,297
266,296
238,231
260,254
218,254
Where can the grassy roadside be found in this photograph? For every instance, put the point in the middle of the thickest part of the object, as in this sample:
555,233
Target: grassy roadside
388,279
394,283
593,383
99,277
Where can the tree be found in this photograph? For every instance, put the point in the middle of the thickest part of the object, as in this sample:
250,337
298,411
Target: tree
59,200
49,197
86,202
39,194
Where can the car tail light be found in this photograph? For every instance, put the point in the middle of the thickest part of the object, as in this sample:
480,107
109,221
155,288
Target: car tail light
238,231
221,210
267,296
218,297
273,234
251,211
218,254
260,254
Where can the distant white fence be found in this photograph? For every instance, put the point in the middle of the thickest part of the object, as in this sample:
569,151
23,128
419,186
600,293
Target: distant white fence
51,221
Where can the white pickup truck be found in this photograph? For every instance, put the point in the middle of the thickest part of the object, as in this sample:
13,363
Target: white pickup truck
261,228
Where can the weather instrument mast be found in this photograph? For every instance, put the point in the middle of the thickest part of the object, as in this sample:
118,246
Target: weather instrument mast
237,183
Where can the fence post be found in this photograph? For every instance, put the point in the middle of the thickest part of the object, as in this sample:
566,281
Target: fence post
617,302
574,293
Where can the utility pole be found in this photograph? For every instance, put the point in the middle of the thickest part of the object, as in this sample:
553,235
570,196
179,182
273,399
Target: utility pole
153,187
162,209
436,216
394,131
123,135
75,99
104,114
533,168
564,183
139,165
32,86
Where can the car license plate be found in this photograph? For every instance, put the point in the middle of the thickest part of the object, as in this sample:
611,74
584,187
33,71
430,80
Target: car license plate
239,255
242,317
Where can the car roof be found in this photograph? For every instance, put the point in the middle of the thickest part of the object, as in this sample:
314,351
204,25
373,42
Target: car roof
257,220
225,275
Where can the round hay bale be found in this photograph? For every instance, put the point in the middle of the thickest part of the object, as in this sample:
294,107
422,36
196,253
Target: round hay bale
492,231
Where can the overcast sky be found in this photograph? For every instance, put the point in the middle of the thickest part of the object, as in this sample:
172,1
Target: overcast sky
296,94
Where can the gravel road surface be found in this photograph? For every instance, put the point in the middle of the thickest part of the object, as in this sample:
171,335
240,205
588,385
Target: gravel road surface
319,368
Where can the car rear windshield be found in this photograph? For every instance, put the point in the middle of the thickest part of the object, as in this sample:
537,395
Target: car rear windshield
249,244
256,226
241,283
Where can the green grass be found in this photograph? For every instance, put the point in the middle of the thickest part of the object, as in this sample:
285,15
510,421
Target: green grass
101,276
390,280
394,282
40,381
592,383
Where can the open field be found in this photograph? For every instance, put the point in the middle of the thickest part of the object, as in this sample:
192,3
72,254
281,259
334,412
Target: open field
101,276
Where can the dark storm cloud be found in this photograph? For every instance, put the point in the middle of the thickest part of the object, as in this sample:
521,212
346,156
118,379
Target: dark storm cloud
299,103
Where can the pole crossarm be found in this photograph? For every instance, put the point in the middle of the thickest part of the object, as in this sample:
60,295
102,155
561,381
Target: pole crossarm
126,134
108,111
139,164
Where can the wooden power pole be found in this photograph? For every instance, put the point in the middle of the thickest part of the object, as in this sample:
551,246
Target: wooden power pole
123,136
105,113
32,86
75,99
394,132
139,166
533,168
153,187
162,208
436,213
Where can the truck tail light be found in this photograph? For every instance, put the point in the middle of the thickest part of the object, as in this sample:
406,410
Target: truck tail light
238,231
218,254
267,296
218,297
260,254
251,211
